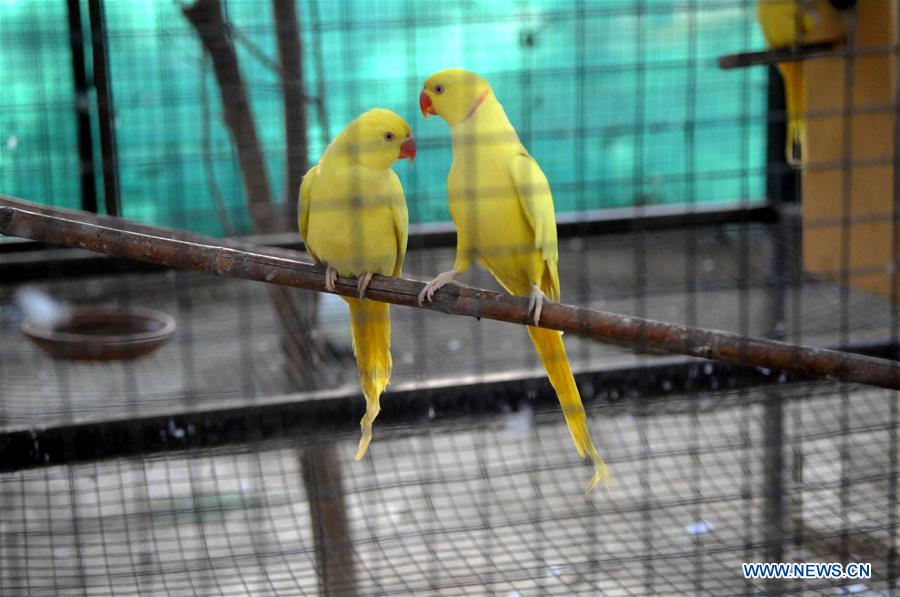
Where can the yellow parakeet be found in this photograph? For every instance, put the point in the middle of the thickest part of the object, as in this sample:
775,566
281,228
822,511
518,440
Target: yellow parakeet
501,204
353,218
788,23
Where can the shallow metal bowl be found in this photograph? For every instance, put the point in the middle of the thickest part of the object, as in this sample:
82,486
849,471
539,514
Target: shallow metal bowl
103,333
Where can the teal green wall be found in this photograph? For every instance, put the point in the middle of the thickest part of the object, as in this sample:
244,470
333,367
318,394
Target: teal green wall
642,97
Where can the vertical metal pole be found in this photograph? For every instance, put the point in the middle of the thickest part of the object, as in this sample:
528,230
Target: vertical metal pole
773,480
782,190
782,181
105,109
82,111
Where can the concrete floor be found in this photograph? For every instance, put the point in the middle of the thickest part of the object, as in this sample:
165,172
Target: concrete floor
471,508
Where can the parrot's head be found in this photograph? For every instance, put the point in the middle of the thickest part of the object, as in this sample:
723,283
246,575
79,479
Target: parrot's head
379,138
453,94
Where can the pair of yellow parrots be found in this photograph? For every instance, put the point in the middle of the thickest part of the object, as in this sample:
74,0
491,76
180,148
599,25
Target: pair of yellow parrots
353,218
353,214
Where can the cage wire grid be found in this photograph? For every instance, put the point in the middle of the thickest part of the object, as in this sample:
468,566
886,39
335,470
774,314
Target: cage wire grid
477,490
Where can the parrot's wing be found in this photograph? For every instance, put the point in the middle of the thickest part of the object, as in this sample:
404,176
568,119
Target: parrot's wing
303,215
401,220
536,200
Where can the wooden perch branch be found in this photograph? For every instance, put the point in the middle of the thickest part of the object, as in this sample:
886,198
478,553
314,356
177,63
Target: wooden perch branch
776,55
810,51
238,262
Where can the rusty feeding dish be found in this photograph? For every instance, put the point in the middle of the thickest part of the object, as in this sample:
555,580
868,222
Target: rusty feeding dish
103,333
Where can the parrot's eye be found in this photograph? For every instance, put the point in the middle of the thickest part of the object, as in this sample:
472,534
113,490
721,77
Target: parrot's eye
389,137
439,89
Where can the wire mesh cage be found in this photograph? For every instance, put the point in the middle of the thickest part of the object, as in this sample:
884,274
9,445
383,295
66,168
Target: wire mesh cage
711,169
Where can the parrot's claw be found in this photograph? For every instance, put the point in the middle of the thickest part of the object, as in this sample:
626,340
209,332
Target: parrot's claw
436,284
536,303
363,283
330,278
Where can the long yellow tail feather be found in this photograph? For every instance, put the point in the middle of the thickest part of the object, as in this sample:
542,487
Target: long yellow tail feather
795,100
370,323
552,351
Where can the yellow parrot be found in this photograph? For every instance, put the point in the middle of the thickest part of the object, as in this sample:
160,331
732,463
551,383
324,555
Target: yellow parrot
353,218
788,23
501,204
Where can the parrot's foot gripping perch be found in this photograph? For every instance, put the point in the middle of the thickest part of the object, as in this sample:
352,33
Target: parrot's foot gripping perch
373,407
536,303
330,278
436,284
363,283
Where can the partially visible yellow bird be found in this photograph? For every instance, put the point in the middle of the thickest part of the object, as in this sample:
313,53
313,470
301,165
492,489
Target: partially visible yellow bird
788,23
353,218
502,206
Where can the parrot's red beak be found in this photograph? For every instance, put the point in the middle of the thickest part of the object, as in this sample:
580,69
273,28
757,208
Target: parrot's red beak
426,105
408,150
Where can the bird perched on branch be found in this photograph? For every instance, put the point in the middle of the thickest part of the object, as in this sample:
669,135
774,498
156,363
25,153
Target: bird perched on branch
353,219
502,206
791,23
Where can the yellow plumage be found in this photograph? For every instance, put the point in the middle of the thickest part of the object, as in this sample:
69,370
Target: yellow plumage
370,324
353,218
502,206
787,23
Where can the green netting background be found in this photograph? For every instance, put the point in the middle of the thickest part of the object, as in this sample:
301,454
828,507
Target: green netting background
611,79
